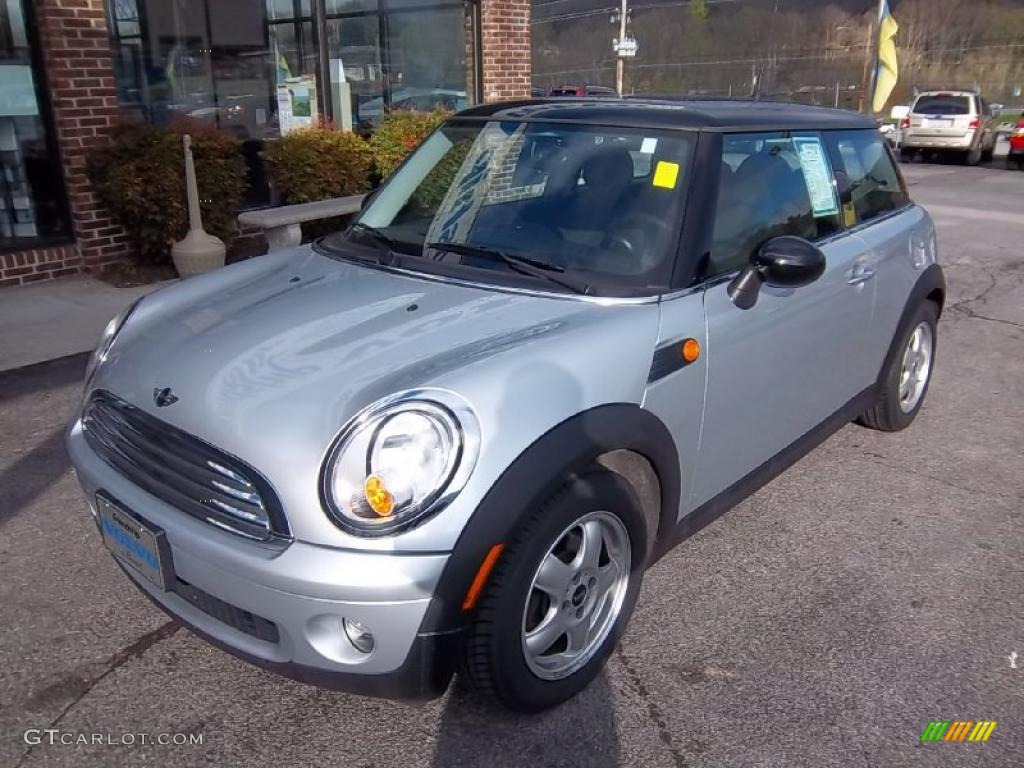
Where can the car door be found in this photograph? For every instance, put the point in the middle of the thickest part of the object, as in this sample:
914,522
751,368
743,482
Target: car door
899,235
988,125
780,368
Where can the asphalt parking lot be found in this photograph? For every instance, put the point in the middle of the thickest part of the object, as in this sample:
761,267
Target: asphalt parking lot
876,586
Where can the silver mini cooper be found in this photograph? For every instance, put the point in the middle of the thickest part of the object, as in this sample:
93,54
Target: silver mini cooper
560,339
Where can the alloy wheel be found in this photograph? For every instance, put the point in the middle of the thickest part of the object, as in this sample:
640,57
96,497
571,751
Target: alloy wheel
916,368
576,595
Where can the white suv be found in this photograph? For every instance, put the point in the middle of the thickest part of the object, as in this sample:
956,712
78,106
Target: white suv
950,122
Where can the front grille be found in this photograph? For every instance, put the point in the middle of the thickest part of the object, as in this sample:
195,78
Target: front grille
182,470
233,616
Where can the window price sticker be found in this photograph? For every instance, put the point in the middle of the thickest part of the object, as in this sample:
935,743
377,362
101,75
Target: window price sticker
817,175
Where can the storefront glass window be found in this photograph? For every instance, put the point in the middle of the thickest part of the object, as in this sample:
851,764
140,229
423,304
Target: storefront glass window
428,67
288,9
349,6
252,67
357,73
33,208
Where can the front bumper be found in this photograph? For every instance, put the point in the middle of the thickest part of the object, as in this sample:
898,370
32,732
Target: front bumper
281,605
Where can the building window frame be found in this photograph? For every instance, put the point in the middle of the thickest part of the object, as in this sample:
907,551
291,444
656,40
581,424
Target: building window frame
383,12
49,123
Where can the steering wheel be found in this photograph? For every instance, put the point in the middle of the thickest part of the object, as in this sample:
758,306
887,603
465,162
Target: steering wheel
632,238
540,239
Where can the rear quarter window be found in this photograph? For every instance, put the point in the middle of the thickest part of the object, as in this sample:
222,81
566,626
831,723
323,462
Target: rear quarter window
875,183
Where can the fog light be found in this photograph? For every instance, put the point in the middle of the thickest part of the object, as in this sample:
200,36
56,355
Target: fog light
358,635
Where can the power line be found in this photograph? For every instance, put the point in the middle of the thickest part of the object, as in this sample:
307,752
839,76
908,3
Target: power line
574,15
568,15
758,59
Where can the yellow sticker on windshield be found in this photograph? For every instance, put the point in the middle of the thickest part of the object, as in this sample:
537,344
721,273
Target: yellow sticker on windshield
666,175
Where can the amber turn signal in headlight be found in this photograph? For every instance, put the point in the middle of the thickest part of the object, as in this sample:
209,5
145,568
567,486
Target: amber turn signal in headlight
378,496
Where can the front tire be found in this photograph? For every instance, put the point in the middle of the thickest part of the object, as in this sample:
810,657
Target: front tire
908,372
560,597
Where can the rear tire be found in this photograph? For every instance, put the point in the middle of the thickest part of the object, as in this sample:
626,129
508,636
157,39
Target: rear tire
972,157
906,156
536,641
904,382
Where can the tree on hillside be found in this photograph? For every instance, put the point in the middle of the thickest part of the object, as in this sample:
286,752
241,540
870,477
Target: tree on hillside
804,50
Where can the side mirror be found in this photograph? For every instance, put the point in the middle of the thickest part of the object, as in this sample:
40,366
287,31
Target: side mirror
784,262
844,188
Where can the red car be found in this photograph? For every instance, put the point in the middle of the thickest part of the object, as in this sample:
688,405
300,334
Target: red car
1016,156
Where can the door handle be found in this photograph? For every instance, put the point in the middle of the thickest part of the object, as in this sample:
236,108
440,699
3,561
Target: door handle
860,275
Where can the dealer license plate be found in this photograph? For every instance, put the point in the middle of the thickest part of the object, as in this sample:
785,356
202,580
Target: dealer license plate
138,545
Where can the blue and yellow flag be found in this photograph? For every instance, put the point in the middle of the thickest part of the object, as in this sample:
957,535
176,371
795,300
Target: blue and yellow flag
887,70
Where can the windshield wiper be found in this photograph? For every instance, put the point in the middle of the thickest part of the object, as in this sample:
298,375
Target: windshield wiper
521,264
386,245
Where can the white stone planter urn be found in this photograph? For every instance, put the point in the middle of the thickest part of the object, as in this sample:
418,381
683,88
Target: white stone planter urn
199,251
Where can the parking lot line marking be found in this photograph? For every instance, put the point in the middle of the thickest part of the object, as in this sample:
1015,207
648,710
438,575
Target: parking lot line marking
975,213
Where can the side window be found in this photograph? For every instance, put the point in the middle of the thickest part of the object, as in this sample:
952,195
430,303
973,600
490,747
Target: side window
771,184
875,184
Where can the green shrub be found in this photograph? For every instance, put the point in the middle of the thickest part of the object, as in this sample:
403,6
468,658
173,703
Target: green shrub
399,133
318,163
140,179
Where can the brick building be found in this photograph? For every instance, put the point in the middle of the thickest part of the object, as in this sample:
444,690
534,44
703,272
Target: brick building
72,69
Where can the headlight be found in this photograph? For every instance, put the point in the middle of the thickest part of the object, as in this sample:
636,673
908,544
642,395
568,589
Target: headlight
398,461
107,339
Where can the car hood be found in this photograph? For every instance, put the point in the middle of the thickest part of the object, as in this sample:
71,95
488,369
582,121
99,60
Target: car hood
270,358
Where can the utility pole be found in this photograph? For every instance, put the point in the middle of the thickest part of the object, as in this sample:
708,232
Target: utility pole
623,45
866,76
620,62
871,61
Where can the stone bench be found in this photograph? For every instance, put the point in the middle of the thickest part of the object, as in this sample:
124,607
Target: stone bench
282,225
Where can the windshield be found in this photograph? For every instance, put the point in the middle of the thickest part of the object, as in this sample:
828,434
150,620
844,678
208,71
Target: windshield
599,206
943,104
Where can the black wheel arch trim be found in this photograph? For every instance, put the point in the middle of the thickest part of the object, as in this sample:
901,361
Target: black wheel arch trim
930,286
568,449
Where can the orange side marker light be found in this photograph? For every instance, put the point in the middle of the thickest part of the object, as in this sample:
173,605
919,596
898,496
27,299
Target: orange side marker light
690,350
473,593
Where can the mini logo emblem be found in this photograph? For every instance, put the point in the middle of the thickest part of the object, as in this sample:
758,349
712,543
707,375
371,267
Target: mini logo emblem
164,397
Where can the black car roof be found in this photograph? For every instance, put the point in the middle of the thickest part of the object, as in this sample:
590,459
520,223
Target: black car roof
664,113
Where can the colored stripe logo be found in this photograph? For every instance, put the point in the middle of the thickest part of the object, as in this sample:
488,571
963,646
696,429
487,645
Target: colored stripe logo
958,730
